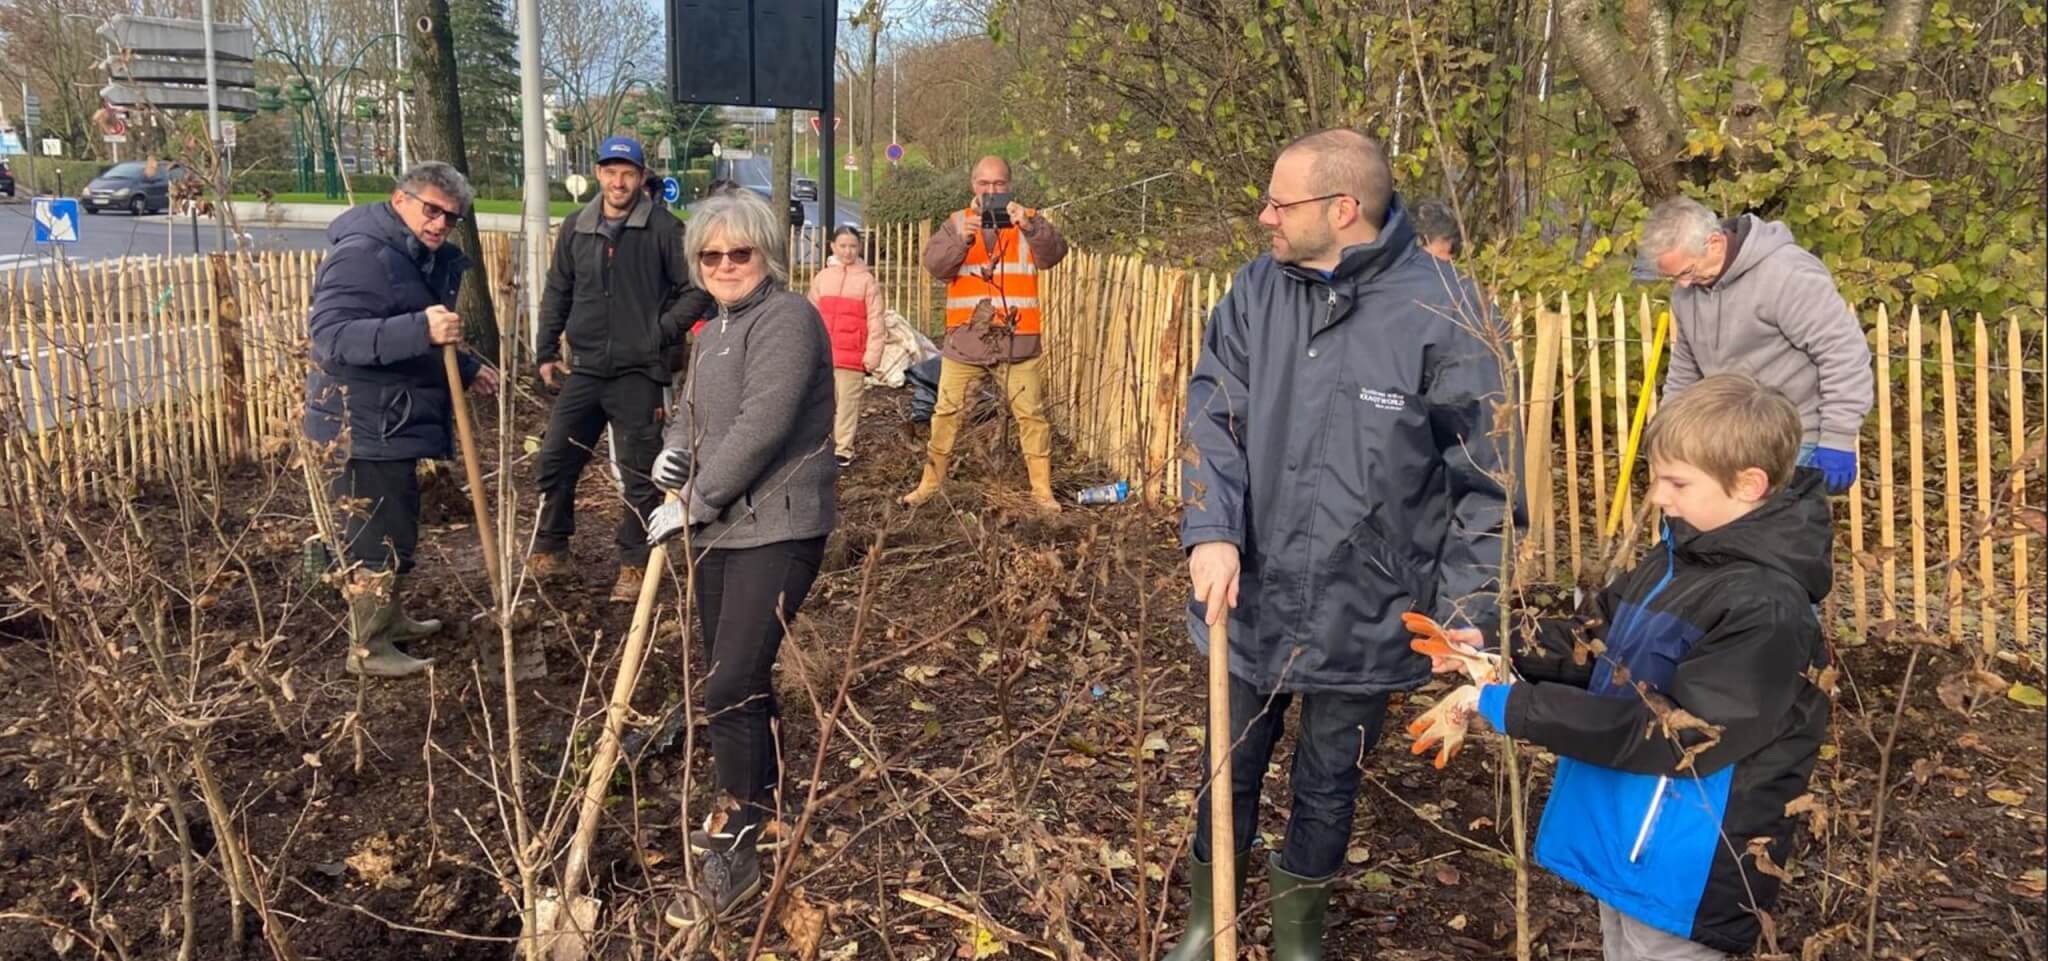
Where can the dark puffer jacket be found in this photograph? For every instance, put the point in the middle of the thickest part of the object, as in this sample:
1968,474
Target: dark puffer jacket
375,370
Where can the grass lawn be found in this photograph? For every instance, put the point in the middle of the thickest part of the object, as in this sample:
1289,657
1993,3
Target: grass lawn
559,208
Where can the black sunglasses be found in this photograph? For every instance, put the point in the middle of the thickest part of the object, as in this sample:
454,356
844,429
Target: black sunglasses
738,255
435,211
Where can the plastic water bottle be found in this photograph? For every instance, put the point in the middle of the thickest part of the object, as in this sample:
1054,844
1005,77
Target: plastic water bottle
1105,493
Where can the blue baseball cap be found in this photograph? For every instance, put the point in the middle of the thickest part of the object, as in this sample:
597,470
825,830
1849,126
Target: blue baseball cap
621,148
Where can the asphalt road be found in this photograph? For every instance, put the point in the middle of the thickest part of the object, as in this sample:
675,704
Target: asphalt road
108,235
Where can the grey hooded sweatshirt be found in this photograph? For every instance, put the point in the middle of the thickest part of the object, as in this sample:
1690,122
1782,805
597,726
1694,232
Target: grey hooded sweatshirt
1775,315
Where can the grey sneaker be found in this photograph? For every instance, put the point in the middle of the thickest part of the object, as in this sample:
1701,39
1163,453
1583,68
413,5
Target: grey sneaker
726,880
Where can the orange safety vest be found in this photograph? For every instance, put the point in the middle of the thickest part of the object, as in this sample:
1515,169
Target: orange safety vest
1007,276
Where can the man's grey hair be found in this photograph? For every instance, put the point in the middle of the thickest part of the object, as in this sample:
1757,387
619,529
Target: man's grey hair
441,177
746,221
1350,163
1435,221
1679,223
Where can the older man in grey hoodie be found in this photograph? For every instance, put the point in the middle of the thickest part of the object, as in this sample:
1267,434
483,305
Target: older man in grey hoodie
1749,300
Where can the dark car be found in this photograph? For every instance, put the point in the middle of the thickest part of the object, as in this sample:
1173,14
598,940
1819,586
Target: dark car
131,186
6,179
804,189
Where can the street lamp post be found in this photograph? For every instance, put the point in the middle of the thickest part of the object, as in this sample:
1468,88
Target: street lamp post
316,93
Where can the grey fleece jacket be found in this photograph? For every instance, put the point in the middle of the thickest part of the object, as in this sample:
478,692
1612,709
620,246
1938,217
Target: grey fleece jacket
755,423
1775,315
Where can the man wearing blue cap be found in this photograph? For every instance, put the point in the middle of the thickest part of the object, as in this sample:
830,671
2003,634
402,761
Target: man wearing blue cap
620,294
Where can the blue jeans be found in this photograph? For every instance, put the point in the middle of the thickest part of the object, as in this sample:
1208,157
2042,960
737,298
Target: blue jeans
1337,731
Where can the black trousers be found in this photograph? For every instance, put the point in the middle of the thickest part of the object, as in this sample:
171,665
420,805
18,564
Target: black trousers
744,597
378,505
631,404
1337,732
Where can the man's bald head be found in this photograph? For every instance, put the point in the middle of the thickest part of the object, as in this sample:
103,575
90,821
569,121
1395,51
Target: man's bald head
991,175
1350,163
993,166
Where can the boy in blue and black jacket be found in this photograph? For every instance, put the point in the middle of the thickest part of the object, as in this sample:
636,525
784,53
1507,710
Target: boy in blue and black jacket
1652,815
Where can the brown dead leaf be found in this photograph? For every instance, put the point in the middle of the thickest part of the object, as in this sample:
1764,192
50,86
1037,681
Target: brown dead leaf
1447,874
2033,884
1962,691
1828,679
1585,650
1811,806
2006,796
1760,852
1675,722
373,861
803,923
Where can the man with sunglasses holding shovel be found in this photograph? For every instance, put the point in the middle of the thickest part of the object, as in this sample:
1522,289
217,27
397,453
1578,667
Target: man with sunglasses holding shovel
619,290
1343,468
378,398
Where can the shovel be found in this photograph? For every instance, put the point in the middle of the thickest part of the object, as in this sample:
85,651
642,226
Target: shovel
486,534
1222,843
570,941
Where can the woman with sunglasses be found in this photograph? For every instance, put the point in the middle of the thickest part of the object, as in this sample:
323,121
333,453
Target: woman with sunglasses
749,451
850,300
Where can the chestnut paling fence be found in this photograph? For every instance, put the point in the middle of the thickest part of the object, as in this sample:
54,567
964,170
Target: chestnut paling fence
154,370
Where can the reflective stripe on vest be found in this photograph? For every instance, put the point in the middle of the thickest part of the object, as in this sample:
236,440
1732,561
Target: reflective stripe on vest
1012,282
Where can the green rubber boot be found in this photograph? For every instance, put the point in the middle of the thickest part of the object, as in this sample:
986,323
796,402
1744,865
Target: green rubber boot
1197,943
370,651
402,627
1300,907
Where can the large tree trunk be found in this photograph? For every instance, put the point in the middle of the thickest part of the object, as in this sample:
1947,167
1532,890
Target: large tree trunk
1629,101
1759,57
437,135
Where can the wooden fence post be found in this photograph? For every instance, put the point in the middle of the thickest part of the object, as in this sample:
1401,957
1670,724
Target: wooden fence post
227,332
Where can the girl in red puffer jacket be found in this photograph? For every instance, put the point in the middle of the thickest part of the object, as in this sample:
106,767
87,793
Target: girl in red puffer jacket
850,300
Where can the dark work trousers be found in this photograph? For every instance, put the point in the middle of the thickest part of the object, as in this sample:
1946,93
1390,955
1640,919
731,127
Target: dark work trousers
1337,732
378,504
744,597
631,404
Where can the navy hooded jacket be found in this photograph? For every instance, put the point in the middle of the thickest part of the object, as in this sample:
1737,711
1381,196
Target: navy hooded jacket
1341,433
375,370
1719,624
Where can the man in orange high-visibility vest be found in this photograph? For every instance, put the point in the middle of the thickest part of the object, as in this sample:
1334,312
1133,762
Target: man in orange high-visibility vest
992,325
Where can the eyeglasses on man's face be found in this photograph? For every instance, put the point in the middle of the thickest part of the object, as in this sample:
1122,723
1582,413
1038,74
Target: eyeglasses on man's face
434,211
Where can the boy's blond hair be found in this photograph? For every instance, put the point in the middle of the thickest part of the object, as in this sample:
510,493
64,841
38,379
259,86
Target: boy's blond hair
1725,424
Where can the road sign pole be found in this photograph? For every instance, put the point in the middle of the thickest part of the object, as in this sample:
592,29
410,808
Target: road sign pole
212,130
28,134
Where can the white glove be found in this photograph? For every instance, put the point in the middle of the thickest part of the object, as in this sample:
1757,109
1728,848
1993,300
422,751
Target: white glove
671,468
670,519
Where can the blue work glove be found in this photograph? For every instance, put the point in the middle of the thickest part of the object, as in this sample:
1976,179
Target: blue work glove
1838,466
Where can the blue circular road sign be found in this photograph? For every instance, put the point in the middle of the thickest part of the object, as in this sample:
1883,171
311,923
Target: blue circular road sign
671,190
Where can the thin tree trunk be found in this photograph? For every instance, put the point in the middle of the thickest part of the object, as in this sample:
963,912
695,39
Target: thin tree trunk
1894,48
782,153
867,143
437,135
1648,128
1759,56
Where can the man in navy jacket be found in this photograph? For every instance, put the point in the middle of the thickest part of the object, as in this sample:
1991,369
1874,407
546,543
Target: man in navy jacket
377,400
1344,467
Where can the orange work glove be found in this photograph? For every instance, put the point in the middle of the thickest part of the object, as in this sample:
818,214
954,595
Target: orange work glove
1445,724
1446,654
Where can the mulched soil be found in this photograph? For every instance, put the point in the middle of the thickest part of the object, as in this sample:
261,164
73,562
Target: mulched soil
1023,732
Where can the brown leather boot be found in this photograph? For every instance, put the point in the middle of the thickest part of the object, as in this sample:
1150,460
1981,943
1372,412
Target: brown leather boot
626,589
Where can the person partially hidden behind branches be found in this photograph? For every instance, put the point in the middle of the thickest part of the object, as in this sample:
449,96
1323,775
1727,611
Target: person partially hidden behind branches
1709,645
1436,229
378,395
